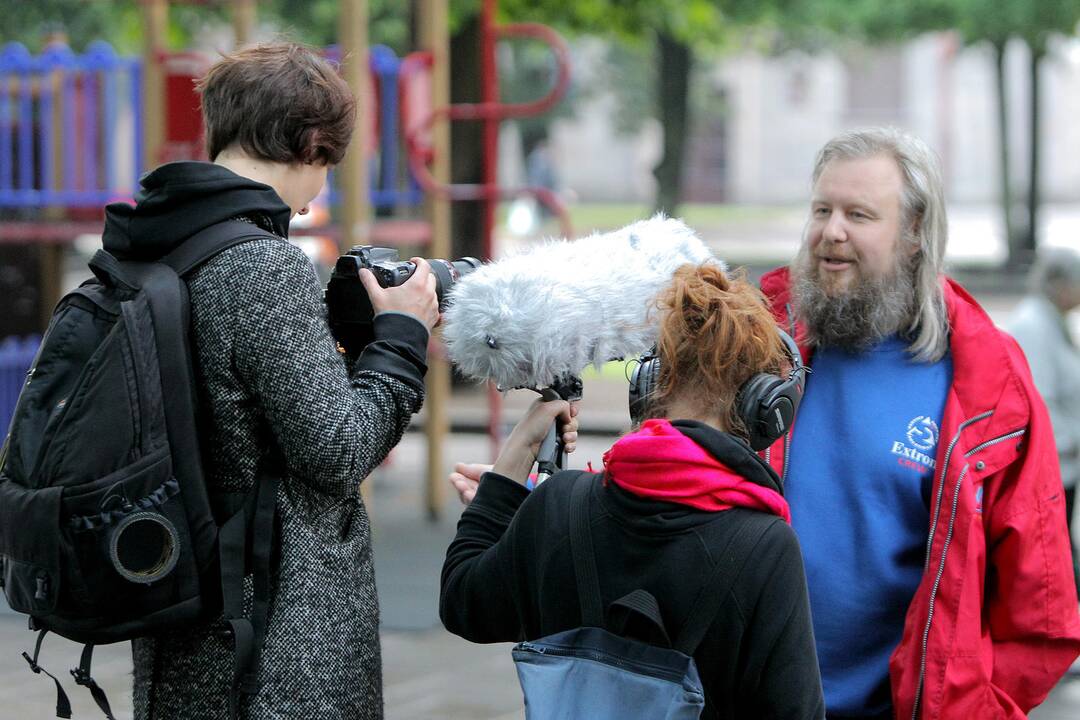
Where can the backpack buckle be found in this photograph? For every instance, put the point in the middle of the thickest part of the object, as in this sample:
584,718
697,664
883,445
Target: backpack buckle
42,588
82,677
33,665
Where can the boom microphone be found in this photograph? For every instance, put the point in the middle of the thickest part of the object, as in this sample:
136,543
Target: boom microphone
537,317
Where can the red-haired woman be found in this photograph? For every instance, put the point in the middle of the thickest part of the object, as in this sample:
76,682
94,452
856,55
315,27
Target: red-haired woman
671,497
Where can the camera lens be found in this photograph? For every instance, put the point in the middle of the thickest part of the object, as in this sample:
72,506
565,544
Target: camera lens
447,273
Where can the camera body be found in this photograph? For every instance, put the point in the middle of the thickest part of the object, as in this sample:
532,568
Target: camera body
348,306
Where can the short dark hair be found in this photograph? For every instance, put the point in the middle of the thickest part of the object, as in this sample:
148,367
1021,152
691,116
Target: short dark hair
280,102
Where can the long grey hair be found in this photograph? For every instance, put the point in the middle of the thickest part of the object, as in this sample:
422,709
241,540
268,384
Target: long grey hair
923,223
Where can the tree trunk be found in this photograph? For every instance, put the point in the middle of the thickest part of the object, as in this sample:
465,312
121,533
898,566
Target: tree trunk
466,140
673,96
1034,198
1011,235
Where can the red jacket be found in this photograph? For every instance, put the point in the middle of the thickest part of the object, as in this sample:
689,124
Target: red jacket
994,623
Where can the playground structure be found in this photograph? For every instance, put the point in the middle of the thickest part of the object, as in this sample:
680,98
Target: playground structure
77,131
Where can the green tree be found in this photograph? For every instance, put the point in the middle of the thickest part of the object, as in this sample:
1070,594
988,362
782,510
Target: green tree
1035,23
994,22
317,22
30,23
78,23
679,31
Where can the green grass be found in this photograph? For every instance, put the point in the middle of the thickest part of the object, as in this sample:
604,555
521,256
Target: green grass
586,217
607,216
614,371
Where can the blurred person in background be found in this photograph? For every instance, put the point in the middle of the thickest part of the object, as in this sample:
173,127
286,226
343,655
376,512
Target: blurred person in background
1040,324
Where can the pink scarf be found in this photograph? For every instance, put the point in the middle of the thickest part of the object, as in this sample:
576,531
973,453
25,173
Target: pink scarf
661,463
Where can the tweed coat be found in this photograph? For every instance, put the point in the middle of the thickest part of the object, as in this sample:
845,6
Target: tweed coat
268,375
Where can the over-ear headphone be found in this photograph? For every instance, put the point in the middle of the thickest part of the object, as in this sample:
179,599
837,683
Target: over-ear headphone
766,403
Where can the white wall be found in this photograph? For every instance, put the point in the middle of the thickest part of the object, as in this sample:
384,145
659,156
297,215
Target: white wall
784,108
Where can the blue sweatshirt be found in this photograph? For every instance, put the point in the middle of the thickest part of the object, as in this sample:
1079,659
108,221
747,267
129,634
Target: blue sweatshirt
860,471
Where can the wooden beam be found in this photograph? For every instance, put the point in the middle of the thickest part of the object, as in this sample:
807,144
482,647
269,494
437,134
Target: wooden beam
155,29
435,37
352,173
243,17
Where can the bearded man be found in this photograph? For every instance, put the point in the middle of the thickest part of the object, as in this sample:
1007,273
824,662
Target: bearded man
921,469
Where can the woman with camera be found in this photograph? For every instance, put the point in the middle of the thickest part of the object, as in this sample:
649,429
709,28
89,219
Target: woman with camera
278,401
680,499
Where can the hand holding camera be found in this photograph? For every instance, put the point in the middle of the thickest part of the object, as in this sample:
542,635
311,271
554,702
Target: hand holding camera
416,296
368,280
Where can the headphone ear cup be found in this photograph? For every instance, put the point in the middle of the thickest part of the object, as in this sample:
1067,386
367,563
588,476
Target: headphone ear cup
756,407
643,383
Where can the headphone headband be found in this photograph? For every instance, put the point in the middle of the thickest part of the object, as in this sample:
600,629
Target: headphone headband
765,403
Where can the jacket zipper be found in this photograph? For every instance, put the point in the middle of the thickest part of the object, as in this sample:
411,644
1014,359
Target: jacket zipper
787,454
941,482
995,441
603,657
948,537
787,435
933,593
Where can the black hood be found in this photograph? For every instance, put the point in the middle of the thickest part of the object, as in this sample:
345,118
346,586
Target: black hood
179,199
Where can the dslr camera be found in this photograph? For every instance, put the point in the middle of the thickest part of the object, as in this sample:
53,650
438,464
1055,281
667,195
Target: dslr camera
348,305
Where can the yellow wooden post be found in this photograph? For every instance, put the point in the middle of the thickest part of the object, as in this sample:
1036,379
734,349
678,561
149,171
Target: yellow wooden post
50,273
243,16
155,27
50,255
434,33
351,175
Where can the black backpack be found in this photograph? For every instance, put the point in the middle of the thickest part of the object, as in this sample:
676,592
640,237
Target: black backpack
107,529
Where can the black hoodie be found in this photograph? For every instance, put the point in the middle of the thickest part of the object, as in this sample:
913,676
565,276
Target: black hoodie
509,576
179,199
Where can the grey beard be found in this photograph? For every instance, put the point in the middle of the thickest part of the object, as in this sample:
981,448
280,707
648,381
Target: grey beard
871,310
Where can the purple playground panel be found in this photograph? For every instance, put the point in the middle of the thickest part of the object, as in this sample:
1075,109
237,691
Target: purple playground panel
63,117
71,128
16,357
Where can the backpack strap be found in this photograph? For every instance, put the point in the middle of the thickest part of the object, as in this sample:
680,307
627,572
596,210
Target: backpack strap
208,242
63,705
729,563
249,532
185,257
627,613
82,677
252,526
167,296
581,551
